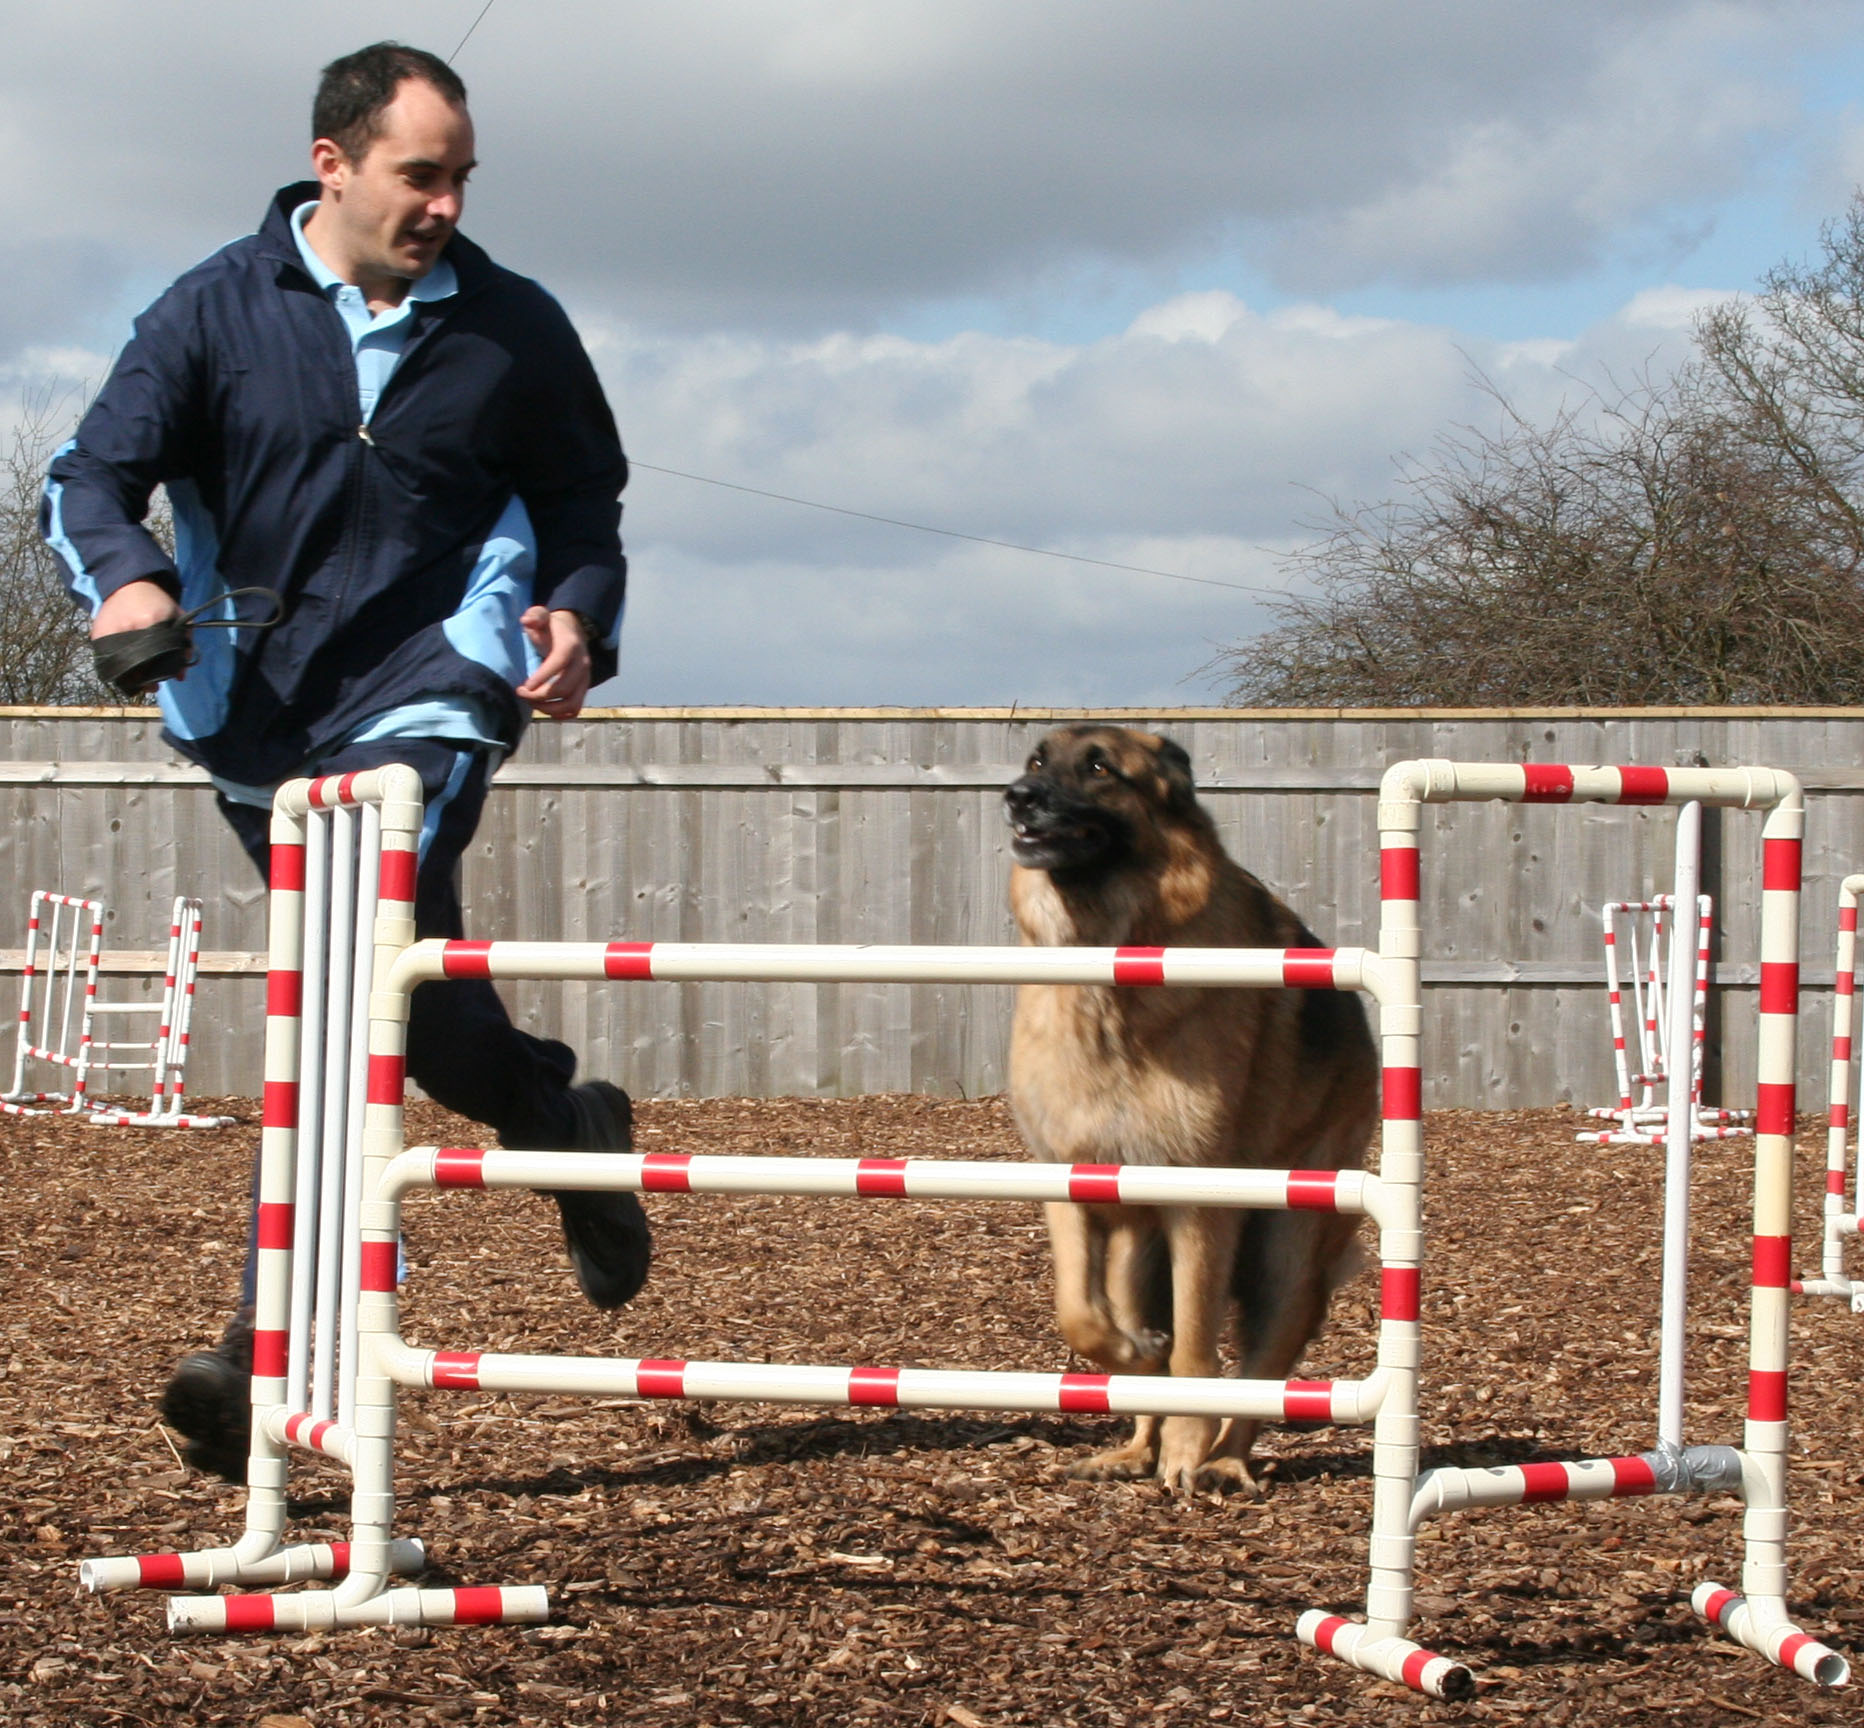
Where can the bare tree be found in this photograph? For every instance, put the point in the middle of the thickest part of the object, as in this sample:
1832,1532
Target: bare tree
45,651
1695,540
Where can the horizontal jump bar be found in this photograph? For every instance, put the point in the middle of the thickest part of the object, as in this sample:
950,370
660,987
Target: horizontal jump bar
892,1388
904,963
1352,1191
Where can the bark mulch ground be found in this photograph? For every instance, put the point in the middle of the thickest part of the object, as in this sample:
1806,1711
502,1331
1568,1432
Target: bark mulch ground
764,1565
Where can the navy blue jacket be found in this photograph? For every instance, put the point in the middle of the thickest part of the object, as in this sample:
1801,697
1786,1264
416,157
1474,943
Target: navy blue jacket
238,391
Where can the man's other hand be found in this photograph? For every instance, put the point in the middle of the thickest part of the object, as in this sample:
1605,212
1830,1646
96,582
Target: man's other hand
558,687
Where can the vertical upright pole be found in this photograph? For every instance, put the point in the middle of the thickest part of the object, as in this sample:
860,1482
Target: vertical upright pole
1680,1123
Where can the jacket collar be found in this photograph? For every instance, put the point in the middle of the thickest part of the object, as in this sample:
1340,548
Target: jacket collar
277,241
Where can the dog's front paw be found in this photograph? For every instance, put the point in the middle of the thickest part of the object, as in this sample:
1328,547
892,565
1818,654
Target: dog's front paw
1123,1464
1150,1346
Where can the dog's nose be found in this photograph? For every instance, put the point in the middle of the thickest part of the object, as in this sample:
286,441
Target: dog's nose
1019,797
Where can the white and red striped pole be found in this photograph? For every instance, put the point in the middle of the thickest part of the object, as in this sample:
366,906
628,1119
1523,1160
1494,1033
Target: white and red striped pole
1838,1224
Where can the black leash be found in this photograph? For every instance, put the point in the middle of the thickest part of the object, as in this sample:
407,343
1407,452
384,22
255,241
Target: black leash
138,660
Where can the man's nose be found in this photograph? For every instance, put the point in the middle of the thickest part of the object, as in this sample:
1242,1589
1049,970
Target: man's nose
446,208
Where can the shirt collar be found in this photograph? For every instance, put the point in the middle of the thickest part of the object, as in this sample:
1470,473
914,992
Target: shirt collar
437,284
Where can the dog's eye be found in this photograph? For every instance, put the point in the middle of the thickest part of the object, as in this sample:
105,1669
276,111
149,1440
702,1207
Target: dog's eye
1037,762
1098,764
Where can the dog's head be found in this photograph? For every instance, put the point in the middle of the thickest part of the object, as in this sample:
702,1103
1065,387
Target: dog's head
1094,798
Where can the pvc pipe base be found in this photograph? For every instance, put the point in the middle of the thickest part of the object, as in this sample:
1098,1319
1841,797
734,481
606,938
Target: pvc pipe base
1770,1634
1390,1658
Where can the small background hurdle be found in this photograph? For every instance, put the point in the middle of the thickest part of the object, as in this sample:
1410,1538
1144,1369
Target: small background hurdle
1841,1225
359,1434
55,1008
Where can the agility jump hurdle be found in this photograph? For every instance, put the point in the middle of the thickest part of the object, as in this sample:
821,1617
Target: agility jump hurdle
1757,1615
1838,1223
359,1429
1640,1121
48,1000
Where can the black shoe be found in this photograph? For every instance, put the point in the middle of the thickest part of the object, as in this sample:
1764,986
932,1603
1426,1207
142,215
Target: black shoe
607,1233
208,1400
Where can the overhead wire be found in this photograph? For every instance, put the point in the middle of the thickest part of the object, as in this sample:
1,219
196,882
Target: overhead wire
955,534
487,7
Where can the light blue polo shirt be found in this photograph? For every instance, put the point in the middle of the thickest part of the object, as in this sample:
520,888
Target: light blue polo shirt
376,338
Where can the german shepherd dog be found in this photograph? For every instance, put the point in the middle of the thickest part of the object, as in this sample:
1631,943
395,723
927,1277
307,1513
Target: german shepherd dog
1111,849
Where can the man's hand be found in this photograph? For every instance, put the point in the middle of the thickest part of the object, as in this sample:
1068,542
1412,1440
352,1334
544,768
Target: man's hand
557,688
134,606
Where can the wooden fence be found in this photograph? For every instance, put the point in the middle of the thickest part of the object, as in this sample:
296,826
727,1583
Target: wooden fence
884,826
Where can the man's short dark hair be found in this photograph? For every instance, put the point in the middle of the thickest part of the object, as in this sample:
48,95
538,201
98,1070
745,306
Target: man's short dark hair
354,90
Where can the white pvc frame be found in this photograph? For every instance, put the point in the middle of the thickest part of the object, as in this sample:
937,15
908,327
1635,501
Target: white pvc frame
360,1433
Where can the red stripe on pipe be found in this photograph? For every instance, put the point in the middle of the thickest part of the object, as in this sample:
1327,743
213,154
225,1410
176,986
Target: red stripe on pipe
667,1173
339,1559
1404,1094
456,1370
281,1104
1767,1395
1094,1184
1308,968
249,1613
1632,1476
874,1386
157,1571
882,1178
318,1433
387,1079
1780,865
1772,1257
271,1349
1308,1401
1643,785
1834,1182
1718,1604
478,1605
1546,783
285,870
661,1379
1540,1482
459,1167
1400,1293
628,960
1779,986
284,993
1847,918
378,1267
1399,877
1414,1666
274,1224
1773,1107
466,960
1326,1631
1314,1190
1139,965
1085,1392
395,877
1790,1646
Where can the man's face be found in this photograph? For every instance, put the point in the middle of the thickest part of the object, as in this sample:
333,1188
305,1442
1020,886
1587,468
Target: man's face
393,211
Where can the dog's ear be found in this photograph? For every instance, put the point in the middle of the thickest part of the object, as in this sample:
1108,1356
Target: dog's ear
1175,774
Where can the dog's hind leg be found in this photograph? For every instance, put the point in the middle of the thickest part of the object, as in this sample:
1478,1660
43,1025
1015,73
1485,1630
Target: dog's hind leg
1112,1293
1286,1271
1203,1258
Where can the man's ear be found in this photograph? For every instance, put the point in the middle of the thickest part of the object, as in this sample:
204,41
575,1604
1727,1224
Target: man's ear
329,164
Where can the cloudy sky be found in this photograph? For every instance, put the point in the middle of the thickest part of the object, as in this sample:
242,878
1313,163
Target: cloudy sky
1140,283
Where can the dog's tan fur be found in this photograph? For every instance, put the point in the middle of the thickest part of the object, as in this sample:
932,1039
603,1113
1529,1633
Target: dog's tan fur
1113,849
